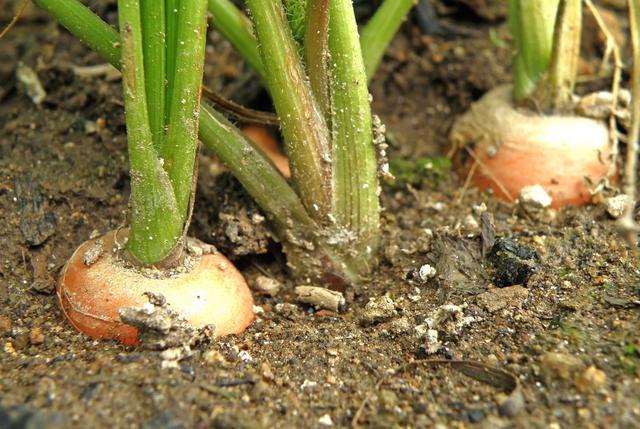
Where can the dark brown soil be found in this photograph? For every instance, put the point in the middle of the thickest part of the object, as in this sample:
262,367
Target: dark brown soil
570,336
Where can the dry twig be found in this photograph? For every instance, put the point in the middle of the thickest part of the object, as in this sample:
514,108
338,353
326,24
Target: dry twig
627,222
611,51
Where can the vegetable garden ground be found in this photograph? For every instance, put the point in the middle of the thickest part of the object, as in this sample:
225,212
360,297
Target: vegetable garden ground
566,343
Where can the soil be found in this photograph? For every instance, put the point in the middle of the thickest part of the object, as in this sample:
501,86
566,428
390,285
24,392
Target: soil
564,332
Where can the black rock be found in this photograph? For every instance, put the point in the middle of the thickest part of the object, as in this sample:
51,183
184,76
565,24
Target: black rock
475,414
513,262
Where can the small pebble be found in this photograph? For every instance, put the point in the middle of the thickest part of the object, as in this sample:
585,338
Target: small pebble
388,399
401,325
9,349
499,298
378,310
325,421
5,326
566,284
510,405
36,336
426,272
431,342
584,414
21,340
534,197
591,379
559,365
421,330
308,384
475,415
267,285
245,356
470,223
615,206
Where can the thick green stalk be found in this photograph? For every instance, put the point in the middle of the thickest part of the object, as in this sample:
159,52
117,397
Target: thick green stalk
181,141
269,188
532,25
238,30
316,52
171,23
303,239
153,37
307,244
86,25
376,36
253,170
156,224
355,200
379,31
303,126
554,92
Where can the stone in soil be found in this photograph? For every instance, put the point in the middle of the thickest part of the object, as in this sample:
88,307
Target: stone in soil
36,336
616,206
534,197
559,366
591,379
378,310
267,285
497,299
514,263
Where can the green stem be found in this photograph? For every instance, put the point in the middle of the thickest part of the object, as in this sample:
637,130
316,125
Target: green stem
555,90
153,37
87,26
171,22
255,172
355,201
380,30
156,224
532,24
307,248
563,69
248,164
181,142
238,30
316,52
303,126
376,36
307,244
